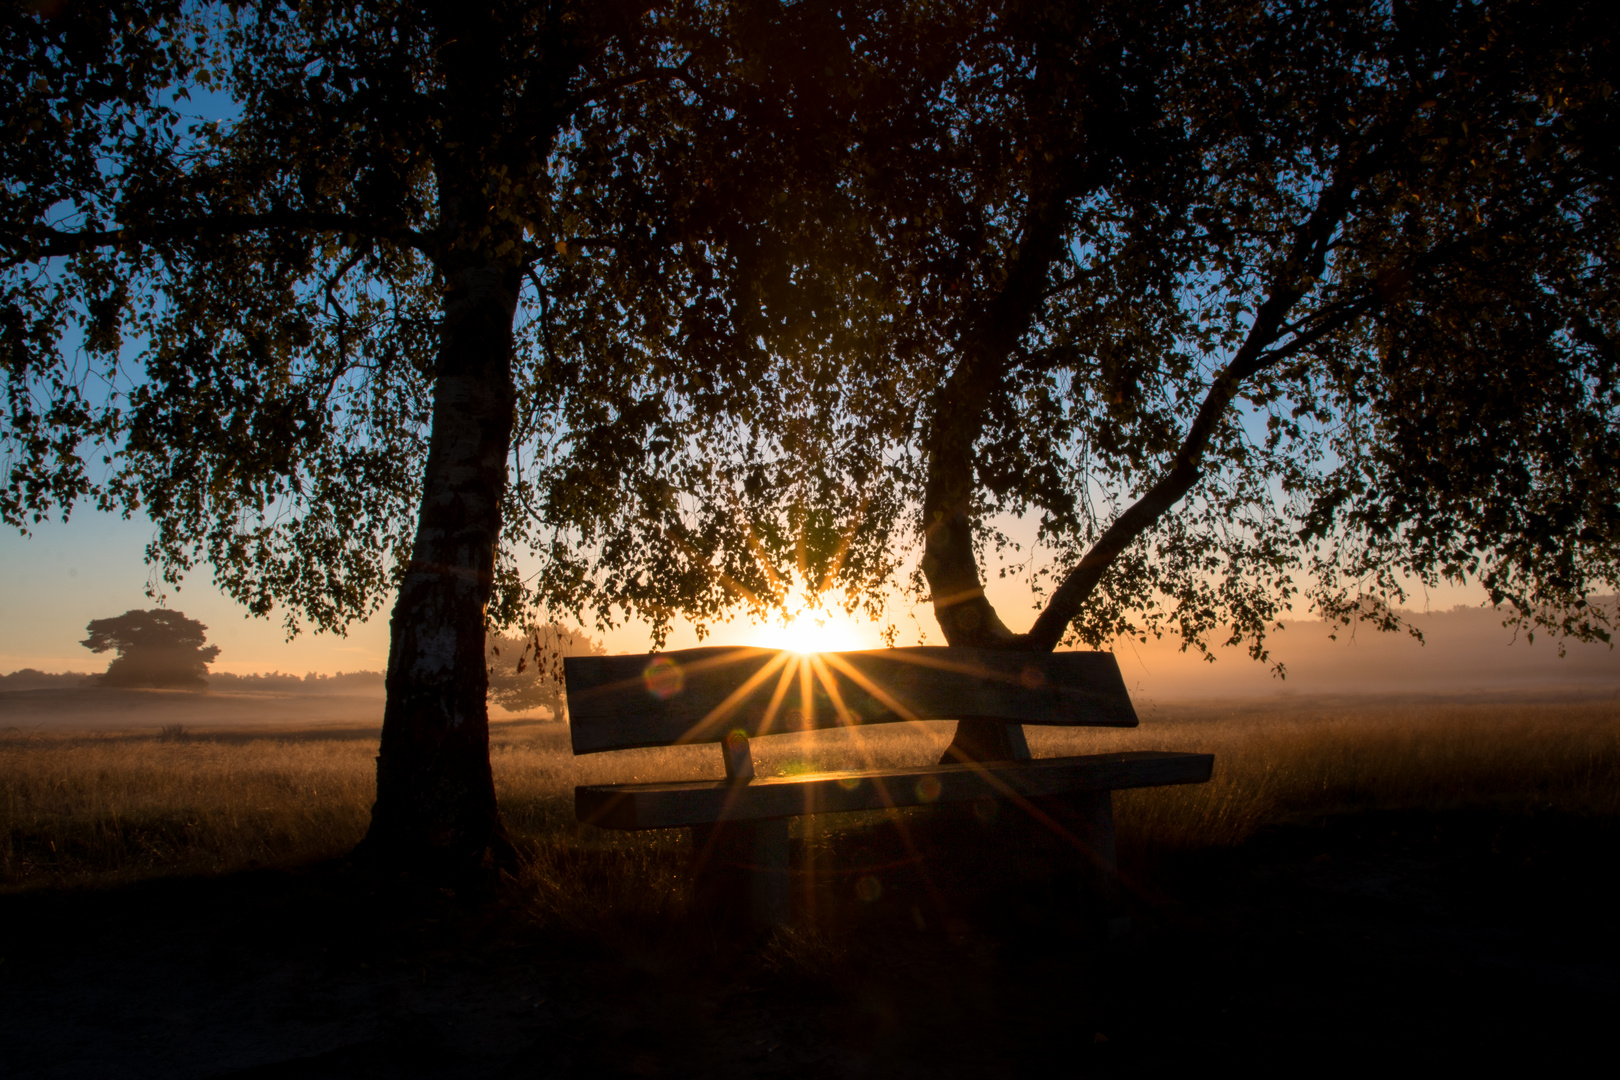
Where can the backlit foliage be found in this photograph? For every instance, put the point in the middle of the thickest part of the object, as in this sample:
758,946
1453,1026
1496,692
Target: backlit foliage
1329,286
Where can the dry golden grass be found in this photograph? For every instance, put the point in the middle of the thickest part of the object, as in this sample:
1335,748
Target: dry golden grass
1279,763
80,808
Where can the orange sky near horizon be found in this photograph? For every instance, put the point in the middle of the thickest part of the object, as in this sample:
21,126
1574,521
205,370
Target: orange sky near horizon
65,575
55,581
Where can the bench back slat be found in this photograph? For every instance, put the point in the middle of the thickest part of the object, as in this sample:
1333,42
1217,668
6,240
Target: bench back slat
701,695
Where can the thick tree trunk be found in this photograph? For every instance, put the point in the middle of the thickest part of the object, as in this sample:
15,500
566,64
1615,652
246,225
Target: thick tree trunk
435,811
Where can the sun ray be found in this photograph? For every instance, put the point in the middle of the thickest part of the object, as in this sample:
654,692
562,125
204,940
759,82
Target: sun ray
674,536
706,724
825,669
940,663
739,589
782,684
845,542
894,705
760,558
886,699
733,791
882,788
709,663
819,663
883,697
846,717
807,701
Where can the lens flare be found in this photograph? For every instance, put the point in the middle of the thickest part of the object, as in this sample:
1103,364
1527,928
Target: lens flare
663,678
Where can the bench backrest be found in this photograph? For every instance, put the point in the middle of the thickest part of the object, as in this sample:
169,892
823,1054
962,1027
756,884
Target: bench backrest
704,695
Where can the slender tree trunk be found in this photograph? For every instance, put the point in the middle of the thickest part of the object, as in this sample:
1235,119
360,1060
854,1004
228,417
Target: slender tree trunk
965,614
435,811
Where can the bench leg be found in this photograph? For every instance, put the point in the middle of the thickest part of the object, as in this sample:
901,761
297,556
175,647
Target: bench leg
741,868
1094,826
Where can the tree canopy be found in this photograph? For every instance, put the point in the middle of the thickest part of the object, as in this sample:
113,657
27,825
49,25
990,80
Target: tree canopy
1239,301
157,648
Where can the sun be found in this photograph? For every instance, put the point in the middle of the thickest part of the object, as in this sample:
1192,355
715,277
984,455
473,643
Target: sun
807,631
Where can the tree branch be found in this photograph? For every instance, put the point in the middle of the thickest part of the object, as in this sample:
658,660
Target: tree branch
949,563
1306,260
601,90
545,315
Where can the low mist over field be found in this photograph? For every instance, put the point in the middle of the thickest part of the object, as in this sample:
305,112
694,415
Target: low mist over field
96,708
1466,650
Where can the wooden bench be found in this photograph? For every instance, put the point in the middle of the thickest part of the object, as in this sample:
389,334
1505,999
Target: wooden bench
732,695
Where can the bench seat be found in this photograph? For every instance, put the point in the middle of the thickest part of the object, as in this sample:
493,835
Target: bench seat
730,696
702,802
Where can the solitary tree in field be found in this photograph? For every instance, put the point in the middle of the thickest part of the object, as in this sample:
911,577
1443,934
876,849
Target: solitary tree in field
158,648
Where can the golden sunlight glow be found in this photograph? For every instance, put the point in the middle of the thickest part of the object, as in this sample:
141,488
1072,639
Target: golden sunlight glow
808,631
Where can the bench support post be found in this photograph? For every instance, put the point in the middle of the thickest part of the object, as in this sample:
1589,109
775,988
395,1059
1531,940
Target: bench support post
986,740
1094,827
740,869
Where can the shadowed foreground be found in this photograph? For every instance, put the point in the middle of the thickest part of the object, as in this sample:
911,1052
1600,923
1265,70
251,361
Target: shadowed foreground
1382,883
1372,934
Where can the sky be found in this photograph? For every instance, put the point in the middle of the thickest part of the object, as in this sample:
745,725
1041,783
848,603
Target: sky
55,581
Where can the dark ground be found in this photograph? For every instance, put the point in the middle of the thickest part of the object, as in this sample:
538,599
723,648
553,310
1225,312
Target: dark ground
1386,938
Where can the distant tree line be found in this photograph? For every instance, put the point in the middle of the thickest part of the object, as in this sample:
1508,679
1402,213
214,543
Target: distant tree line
279,682
312,682
34,679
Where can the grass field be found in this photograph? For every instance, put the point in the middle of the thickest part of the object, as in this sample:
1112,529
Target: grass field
105,806
1367,879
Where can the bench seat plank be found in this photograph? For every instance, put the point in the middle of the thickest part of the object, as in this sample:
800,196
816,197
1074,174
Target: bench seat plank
700,802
